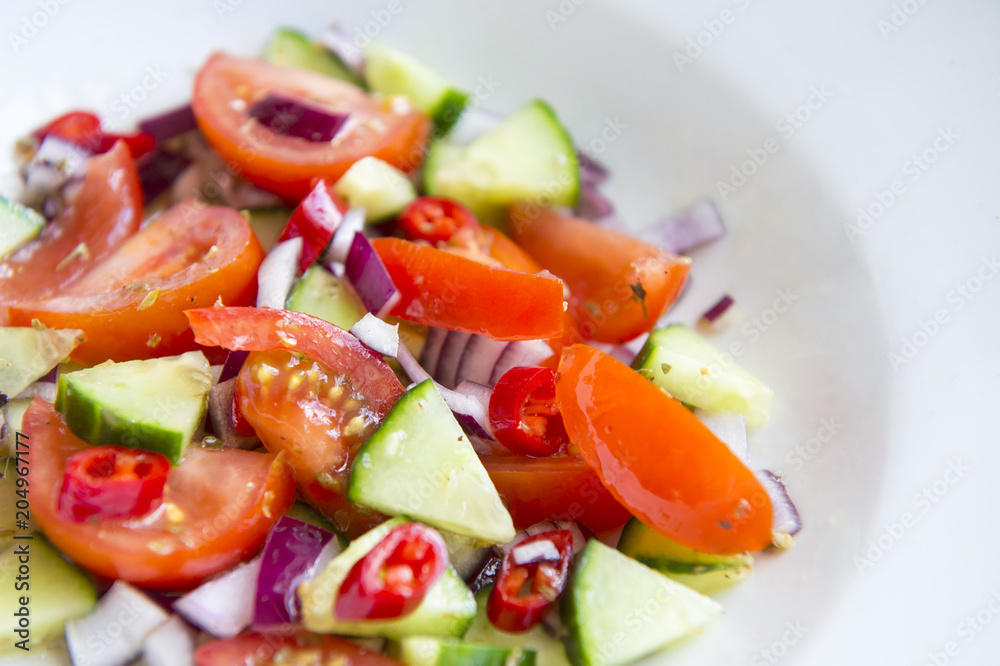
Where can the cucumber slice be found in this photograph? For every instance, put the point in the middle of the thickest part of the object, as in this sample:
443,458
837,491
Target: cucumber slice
419,463
426,651
694,371
267,223
548,650
322,294
18,224
701,572
29,353
380,188
528,156
446,610
393,73
57,592
291,48
618,610
156,404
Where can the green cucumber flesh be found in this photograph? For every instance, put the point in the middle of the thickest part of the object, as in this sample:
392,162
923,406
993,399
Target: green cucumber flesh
693,370
528,156
618,610
322,294
18,224
380,188
155,404
291,48
427,651
57,591
445,611
548,651
27,354
420,463
702,572
393,73
267,223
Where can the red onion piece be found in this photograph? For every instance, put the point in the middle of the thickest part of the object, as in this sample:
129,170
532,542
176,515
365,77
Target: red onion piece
159,170
591,171
87,637
49,176
170,644
44,390
340,44
169,124
223,606
729,427
277,273
410,366
719,309
336,252
294,117
289,555
431,354
520,353
720,316
377,335
368,275
470,402
479,358
220,413
688,229
451,356
593,205
786,517
234,363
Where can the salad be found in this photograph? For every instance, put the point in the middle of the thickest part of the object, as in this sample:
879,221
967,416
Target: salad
328,366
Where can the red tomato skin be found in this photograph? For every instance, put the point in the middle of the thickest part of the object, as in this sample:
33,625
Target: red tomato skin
314,220
170,551
260,650
658,459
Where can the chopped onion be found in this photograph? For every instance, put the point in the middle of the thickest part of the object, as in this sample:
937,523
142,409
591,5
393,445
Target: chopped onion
720,316
44,390
169,124
479,358
289,555
520,353
410,366
431,354
729,427
352,223
220,412
451,355
49,175
688,229
340,44
159,170
592,204
223,606
277,273
470,403
591,171
377,335
131,612
234,363
170,644
370,278
786,516
294,117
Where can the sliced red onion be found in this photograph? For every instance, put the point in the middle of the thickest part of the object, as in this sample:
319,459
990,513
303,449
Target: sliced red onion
277,273
340,44
720,316
520,353
786,516
591,170
223,606
377,335
220,412
343,238
294,117
479,358
234,363
688,229
592,204
128,609
451,356
289,555
169,124
50,175
470,403
729,427
410,366
431,354
370,278
44,390
170,644
159,170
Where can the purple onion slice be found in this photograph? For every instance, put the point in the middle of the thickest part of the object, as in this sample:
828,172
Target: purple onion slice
293,117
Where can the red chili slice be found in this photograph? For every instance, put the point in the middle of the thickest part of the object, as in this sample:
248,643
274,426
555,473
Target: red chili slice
112,482
524,415
392,579
540,564
436,220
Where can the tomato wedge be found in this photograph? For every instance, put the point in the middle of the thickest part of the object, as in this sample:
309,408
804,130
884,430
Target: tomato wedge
556,488
443,289
619,286
106,211
658,459
227,87
131,305
309,389
217,509
302,649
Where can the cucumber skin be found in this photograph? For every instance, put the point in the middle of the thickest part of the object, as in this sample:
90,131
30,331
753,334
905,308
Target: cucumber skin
449,111
321,294
300,51
423,651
